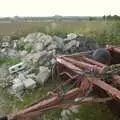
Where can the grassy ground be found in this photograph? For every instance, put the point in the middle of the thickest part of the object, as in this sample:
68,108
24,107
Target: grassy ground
102,31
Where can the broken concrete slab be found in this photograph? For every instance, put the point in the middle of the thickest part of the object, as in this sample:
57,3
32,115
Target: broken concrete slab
48,40
18,88
17,67
59,41
70,44
70,36
52,46
38,47
29,83
43,75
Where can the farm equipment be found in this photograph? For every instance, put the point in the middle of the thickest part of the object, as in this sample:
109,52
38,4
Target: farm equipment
83,74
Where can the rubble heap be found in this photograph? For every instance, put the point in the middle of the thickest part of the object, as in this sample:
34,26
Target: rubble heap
36,52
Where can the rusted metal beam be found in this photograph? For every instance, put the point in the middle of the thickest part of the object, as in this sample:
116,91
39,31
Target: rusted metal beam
84,65
68,64
93,62
114,92
113,49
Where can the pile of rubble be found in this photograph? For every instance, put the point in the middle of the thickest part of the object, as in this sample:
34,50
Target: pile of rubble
36,53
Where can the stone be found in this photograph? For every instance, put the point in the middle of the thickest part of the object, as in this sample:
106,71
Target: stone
59,41
65,114
68,114
15,44
17,68
23,53
43,75
5,44
52,46
70,36
38,57
13,53
34,58
31,76
17,81
18,88
38,47
53,61
21,76
70,44
102,55
29,83
47,40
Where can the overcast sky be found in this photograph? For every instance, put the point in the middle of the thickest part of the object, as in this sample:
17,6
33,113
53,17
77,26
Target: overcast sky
59,7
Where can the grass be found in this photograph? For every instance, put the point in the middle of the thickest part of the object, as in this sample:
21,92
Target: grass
9,61
103,31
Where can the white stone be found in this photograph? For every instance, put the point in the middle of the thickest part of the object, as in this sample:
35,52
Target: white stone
29,83
70,45
5,44
18,87
71,36
38,47
23,53
52,46
43,75
48,40
16,81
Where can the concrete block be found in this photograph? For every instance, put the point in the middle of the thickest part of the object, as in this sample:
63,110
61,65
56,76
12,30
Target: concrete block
17,88
17,67
29,83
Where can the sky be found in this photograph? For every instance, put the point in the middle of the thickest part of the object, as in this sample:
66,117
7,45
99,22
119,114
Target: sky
12,8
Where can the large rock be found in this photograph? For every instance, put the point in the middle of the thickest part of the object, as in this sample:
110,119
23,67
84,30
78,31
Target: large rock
68,114
29,83
70,44
35,58
52,46
47,40
59,41
38,47
70,36
43,75
17,86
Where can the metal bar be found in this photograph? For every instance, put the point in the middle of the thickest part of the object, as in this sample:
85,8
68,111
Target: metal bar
108,88
84,65
78,54
67,64
50,102
93,62
112,48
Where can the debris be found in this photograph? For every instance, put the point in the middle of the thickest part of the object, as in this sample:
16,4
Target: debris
43,75
70,45
17,67
18,87
29,83
70,36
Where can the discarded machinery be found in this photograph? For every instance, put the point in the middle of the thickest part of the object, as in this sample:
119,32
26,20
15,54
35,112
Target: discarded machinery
83,74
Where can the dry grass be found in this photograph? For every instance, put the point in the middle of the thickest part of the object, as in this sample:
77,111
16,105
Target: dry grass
50,27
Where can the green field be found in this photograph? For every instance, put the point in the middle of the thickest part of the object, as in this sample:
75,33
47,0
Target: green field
102,31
